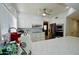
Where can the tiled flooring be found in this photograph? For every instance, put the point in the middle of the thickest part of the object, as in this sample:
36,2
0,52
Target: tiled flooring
58,46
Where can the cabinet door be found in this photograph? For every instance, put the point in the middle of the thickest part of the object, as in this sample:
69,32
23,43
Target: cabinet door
38,36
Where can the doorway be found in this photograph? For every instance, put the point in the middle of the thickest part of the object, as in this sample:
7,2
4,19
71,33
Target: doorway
73,27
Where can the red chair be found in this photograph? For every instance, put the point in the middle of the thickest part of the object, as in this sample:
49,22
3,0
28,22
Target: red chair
14,37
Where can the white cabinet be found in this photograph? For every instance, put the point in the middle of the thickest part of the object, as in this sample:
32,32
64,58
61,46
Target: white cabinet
38,36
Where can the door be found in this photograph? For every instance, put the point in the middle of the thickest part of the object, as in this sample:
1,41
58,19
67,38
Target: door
53,30
45,29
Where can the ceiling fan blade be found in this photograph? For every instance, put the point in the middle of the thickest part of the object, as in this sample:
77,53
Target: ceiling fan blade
45,11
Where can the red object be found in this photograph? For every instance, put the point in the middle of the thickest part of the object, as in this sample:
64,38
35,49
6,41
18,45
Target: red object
14,37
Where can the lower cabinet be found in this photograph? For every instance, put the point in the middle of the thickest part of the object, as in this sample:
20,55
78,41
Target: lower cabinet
38,36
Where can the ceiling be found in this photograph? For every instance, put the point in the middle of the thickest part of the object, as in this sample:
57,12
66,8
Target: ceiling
73,5
74,15
35,8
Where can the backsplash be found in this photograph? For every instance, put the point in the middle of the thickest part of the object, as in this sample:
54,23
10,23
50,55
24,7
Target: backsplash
30,30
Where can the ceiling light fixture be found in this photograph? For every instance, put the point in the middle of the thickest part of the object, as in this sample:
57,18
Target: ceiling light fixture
67,7
44,14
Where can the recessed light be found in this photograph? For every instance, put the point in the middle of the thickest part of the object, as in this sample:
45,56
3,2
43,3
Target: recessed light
56,17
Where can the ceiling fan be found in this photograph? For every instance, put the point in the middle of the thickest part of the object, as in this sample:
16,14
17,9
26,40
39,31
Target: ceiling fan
46,11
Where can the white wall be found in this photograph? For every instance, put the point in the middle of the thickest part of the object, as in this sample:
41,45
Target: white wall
26,20
4,20
7,20
61,18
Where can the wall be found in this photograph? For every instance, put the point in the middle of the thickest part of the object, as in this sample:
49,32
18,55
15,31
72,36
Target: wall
61,18
26,20
68,20
4,20
11,8
7,20
72,28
